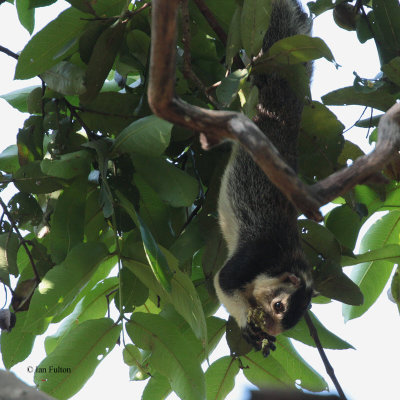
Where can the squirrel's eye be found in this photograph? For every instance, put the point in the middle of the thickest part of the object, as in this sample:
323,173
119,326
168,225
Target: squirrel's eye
279,307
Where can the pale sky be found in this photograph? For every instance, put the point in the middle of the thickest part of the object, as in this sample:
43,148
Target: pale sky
368,373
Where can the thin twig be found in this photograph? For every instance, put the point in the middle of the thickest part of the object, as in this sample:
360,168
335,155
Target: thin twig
212,21
188,72
9,52
73,112
328,366
21,239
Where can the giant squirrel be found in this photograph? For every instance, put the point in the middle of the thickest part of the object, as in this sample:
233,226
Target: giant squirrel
266,283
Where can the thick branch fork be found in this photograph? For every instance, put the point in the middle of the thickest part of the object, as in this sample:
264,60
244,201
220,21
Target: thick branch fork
215,126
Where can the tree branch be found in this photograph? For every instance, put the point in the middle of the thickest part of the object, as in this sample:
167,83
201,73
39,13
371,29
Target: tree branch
9,52
212,21
187,63
215,126
21,239
328,366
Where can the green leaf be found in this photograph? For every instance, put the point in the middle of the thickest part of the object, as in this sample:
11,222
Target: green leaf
134,292
372,276
26,15
299,371
40,3
9,159
30,179
345,224
56,40
93,306
171,354
104,8
75,358
149,136
392,70
154,255
18,98
173,185
62,283
9,245
328,339
320,141
254,23
65,78
386,28
68,165
264,371
320,6
139,45
17,344
102,60
110,112
234,42
220,377
298,49
323,253
155,213
381,98
395,288
390,253
68,220
228,90
157,387
187,302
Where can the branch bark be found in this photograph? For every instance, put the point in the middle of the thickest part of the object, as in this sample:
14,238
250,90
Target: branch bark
215,126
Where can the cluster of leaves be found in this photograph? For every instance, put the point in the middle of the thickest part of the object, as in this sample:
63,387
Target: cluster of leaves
102,182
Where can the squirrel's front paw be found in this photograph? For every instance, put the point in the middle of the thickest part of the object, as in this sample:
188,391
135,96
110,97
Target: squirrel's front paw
258,338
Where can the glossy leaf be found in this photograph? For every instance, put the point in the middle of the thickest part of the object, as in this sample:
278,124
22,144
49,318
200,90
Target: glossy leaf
56,40
149,136
298,49
93,306
75,358
227,91
345,224
320,141
157,387
372,276
173,185
154,255
68,165
17,98
386,28
9,245
328,339
381,99
234,41
65,78
390,253
298,369
220,377
186,301
17,344
68,220
254,23
30,178
26,15
152,332
62,283
101,60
